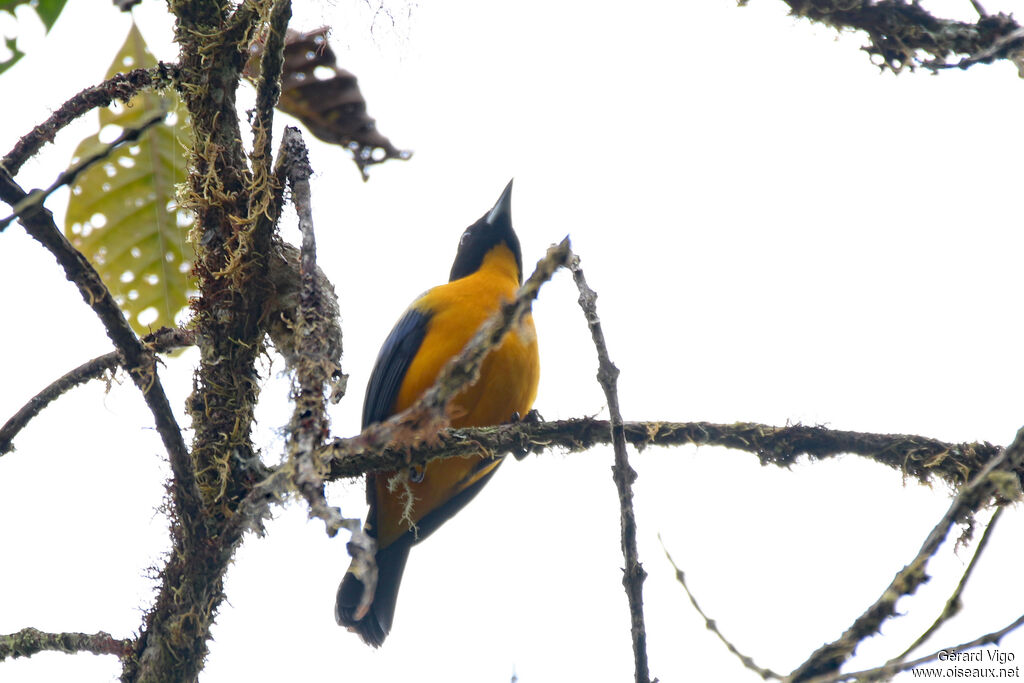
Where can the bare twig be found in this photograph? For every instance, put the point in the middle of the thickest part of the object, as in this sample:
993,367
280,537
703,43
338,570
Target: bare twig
35,198
712,626
953,604
992,480
623,474
30,641
120,87
164,339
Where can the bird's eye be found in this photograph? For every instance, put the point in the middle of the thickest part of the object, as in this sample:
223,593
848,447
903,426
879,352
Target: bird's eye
416,473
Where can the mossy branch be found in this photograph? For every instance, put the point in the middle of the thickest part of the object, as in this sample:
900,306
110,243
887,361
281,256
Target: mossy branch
30,641
905,35
316,359
919,457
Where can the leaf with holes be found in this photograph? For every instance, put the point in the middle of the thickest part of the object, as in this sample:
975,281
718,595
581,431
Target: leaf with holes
123,214
48,11
326,98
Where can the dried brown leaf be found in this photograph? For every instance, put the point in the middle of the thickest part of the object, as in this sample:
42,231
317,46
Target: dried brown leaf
326,98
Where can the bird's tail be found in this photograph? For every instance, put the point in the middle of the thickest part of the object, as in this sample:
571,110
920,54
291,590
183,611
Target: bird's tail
373,628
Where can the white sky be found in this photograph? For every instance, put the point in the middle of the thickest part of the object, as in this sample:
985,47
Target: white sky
777,232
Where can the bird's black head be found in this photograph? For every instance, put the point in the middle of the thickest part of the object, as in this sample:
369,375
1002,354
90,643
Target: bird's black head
493,228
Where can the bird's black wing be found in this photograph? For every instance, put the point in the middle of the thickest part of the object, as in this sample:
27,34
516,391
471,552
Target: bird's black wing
393,362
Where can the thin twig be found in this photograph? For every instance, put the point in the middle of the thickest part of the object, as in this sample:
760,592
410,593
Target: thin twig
120,87
623,474
30,641
36,198
712,626
953,604
890,669
831,656
164,339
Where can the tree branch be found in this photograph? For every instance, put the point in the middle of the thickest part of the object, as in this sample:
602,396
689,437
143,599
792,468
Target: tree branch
164,339
953,604
890,669
138,360
30,641
622,473
233,238
898,31
919,457
993,480
120,87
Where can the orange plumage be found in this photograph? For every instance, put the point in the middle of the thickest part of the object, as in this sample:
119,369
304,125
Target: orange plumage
437,326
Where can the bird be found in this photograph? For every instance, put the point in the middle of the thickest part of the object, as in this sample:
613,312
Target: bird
487,272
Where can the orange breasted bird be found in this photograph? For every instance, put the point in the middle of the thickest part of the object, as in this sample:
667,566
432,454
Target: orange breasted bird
487,271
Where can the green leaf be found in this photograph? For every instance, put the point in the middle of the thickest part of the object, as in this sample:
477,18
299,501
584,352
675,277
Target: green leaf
48,11
123,214
12,45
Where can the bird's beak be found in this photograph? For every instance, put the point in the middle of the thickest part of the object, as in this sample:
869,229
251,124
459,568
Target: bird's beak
502,208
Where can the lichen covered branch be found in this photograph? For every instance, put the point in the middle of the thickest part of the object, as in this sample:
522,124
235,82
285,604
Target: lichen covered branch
922,458
906,35
316,360
30,641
